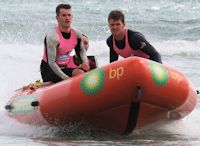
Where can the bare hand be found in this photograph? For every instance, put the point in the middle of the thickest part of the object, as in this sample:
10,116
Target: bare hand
85,67
67,77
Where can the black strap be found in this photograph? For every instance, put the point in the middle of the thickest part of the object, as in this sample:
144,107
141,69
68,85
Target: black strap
133,113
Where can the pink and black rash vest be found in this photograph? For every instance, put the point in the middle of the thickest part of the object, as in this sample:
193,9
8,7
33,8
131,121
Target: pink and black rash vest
57,50
64,48
128,51
133,44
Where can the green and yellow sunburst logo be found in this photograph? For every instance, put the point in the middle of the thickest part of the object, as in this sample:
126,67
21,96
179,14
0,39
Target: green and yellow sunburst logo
93,82
159,73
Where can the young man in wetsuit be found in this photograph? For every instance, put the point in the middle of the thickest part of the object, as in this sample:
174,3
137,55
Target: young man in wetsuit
58,45
125,42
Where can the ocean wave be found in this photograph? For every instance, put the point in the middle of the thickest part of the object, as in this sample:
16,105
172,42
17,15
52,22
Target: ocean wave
100,49
168,48
178,48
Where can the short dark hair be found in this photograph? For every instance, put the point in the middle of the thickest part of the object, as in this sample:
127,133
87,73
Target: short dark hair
62,6
116,15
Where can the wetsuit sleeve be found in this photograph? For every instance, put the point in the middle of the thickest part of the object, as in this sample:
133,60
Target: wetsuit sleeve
138,42
113,55
82,51
52,43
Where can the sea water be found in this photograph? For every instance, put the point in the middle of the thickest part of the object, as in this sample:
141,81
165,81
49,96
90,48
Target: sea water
171,26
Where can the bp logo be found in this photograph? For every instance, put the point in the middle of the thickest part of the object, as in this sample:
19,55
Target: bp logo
93,82
159,73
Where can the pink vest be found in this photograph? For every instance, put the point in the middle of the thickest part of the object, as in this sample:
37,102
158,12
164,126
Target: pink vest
128,51
64,49
71,63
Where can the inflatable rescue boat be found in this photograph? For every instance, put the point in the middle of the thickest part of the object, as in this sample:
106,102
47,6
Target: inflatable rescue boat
119,97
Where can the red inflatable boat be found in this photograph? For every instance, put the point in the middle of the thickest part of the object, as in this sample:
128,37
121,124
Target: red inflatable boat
119,97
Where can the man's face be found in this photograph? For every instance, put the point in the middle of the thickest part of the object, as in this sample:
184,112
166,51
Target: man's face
116,27
65,18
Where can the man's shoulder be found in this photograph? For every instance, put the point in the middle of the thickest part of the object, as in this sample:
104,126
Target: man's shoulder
135,34
52,35
77,32
109,39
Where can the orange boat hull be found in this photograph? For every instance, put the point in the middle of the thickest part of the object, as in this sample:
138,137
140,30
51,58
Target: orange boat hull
119,97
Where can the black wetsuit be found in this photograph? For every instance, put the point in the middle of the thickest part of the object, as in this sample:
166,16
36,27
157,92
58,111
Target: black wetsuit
136,41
